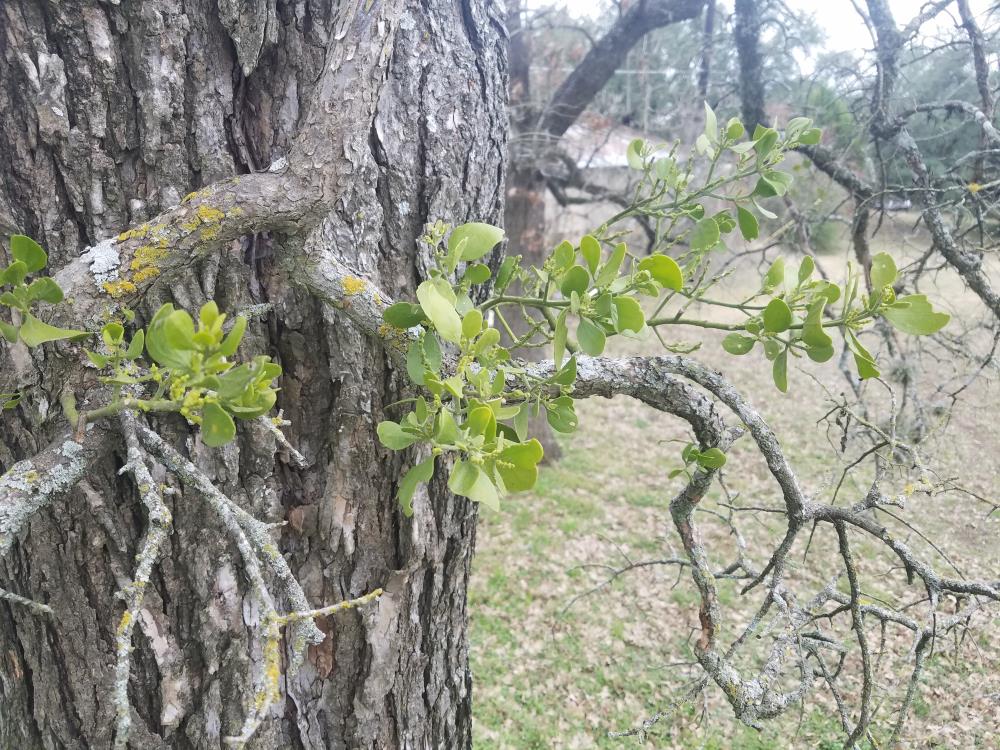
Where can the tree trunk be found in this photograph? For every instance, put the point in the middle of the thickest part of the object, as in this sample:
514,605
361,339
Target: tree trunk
114,112
746,33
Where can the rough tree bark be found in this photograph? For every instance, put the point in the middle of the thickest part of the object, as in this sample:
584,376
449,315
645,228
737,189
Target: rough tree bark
114,112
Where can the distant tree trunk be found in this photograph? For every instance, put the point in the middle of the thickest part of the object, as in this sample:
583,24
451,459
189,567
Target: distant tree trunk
707,50
114,112
746,32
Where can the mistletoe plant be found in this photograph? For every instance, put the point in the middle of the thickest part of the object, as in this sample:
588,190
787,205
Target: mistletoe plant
476,401
191,371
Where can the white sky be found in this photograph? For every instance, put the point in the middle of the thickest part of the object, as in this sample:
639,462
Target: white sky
843,26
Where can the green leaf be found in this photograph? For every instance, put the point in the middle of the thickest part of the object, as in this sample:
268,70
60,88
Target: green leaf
521,421
8,331
634,153
630,316
432,352
415,362
713,458
522,472
478,239
806,268
232,340
725,221
14,274
775,274
590,249
506,272
576,280
162,352
780,371
591,337
559,337
217,427
45,290
440,311
737,344
763,211
472,324
883,271
863,359
403,315
828,290
28,252
711,124
468,480
34,332
749,227
566,375
564,255
777,316
97,360
914,315
178,330
482,421
820,353
446,431
487,340
135,346
705,235
393,437
811,136
208,314
477,273
418,474
664,271
665,169
772,348
764,139
112,334
561,414
610,270
812,330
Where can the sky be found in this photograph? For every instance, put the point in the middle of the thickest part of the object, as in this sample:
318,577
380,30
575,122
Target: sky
842,25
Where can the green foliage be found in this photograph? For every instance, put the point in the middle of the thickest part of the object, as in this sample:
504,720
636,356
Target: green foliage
476,401
22,296
191,372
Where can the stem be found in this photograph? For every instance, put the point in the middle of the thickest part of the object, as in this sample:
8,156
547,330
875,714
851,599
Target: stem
117,407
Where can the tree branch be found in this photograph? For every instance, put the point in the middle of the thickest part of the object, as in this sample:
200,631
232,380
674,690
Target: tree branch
605,57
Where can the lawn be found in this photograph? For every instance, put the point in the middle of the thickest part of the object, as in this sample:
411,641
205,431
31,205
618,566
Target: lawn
561,660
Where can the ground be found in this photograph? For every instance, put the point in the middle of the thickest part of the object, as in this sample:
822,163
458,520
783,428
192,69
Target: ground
552,671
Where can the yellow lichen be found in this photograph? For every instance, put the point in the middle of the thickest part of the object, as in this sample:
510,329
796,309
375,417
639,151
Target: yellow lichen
119,289
191,224
148,255
209,233
145,274
209,215
195,194
124,622
353,286
140,231
31,477
393,337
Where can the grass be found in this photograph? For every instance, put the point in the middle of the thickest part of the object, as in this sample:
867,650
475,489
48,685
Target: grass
552,671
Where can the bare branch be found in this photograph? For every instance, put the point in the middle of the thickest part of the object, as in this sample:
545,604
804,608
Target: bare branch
604,58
